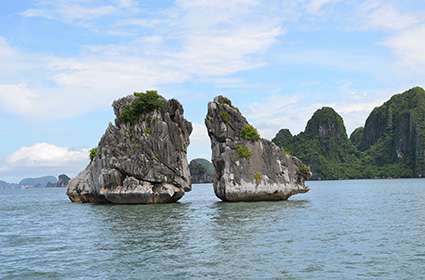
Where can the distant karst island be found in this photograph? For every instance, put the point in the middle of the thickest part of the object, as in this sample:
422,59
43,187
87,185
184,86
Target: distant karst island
390,145
39,182
201,171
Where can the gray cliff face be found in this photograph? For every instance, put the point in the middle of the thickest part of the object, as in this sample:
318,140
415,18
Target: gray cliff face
249,170
141,162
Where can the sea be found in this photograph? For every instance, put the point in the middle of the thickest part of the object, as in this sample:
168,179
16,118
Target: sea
356,229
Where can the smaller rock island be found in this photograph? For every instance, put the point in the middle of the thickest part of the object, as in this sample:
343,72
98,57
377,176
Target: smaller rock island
201,171
247,167
141,158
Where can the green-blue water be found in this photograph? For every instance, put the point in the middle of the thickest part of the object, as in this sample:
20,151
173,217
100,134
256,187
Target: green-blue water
370,229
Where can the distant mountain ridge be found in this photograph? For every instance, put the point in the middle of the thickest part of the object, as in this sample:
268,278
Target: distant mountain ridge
38,182
391,144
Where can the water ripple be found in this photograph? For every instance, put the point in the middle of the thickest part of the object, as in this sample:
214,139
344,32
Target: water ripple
369,229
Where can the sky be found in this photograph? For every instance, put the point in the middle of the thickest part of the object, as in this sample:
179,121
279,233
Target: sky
62,63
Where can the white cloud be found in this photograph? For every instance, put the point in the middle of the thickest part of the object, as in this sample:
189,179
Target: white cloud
192,40
127,3
75,11
316,6
6,50
385,16
277,112
409,45
404,32
17,98
292,111
44,159
46,155
199,142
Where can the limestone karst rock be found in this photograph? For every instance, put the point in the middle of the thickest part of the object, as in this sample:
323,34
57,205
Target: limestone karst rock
247,167
141,158
323,145
394,134
391,144
201,171
63,181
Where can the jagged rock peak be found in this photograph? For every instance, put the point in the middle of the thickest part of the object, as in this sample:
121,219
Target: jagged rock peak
140,159
247,167
326,123
283,138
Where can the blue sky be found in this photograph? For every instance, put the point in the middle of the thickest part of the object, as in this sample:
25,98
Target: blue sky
64,62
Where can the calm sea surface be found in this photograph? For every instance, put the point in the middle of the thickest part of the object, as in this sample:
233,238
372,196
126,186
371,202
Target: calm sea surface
369,229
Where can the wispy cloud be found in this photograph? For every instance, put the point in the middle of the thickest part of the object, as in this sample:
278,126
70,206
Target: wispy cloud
43,158
316,6
193,40
405,31
81,12
409,46
383,15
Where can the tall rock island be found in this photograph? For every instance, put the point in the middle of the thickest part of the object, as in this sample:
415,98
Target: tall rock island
248,168
141,158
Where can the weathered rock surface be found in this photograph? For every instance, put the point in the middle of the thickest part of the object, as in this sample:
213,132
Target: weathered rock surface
141,162
201,171
249,170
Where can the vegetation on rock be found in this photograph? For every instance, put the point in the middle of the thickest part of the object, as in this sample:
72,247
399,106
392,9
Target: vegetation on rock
250,133
304,169
356,136
92,153
243,151
258,177
143,103
283,138
147,131
225,116
391,144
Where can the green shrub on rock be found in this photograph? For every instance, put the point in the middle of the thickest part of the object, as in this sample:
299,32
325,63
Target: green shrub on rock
143,103
92,153
147,131
243,151
304,169
225,116
250,133
258,177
